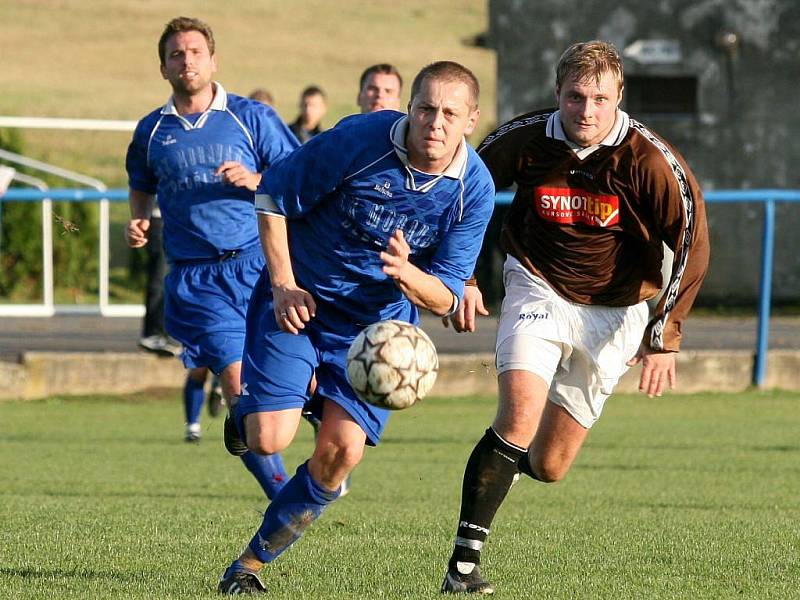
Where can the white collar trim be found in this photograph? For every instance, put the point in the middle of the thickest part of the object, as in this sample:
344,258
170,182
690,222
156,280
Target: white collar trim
219,102
555,130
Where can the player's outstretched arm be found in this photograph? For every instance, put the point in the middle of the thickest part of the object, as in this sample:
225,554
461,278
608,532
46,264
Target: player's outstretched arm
294,306
141,205
238,175
464,318
424,290
658,370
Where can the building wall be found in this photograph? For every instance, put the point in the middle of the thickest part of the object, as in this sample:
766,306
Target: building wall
743,131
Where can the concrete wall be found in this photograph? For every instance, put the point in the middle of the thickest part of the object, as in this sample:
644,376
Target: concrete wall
745,132
46,374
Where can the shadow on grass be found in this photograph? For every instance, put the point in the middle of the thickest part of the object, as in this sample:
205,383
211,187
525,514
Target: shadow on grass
69,440
77,573
618,467
693,447
773,448
716,507
181,495
433,441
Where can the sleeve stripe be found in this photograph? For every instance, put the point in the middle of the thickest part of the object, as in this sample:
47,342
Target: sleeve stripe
688,203
266,205
377,160
511,126
246,131
150,139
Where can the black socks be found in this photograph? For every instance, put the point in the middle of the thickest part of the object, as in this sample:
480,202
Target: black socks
490,471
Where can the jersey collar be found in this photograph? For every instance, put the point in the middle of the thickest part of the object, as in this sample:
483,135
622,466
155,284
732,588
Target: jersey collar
455,170
618,132
219,102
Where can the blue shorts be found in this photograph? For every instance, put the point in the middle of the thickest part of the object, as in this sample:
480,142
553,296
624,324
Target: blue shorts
205,307
277,366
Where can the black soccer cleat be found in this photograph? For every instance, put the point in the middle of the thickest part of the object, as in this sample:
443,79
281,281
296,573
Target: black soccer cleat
215,399
313,420
469,583
239,583
233,441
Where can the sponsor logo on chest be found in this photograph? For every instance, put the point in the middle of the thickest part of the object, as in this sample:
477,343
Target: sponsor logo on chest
571,206
384,189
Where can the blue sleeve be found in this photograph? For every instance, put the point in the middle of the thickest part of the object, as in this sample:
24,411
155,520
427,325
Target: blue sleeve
272,138
300,180
140,176
454,260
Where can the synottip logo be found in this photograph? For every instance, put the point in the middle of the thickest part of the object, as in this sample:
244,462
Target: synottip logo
574,205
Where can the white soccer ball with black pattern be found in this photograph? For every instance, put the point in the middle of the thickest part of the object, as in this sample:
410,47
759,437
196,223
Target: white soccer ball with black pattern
392,364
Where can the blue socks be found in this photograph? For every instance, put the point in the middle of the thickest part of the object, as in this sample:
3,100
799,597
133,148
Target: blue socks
193,396
268,470
297,505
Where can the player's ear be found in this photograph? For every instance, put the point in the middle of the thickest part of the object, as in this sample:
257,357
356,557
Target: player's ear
214,63
619,100
163,70
472,122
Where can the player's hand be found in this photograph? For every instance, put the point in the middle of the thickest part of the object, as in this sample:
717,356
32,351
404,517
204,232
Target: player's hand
238,175
395,257
464,318
136,232
658,370
294,307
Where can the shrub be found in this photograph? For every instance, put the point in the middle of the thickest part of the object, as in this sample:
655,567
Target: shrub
74,253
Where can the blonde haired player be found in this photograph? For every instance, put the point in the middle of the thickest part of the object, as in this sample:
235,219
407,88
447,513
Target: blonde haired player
597,194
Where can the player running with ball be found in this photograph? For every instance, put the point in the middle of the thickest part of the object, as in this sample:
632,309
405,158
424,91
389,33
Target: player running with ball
382,215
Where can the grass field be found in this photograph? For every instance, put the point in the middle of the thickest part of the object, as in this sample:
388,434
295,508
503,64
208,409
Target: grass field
97,59
686,497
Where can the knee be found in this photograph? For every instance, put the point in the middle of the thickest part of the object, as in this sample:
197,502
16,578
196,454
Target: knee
265,442
548,470
336,456
198,375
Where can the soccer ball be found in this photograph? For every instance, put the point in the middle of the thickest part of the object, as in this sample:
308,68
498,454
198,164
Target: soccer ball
392,364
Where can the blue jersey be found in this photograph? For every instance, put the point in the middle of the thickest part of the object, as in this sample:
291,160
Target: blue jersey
174,157
348,189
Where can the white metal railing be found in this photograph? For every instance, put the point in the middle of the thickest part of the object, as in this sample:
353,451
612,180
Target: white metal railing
51,123
48,307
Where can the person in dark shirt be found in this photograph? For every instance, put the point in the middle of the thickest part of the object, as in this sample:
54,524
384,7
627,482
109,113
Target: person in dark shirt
313,106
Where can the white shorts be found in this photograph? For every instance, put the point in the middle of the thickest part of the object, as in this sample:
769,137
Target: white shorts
579,350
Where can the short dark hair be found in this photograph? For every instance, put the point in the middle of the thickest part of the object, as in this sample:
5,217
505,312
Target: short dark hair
262,95
446,70
590,61
313,90
379,69
181,24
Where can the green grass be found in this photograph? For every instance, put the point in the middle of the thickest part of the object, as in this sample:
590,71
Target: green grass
685,497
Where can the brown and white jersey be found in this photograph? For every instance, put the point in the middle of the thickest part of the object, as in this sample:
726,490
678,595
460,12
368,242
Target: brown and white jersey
591,221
